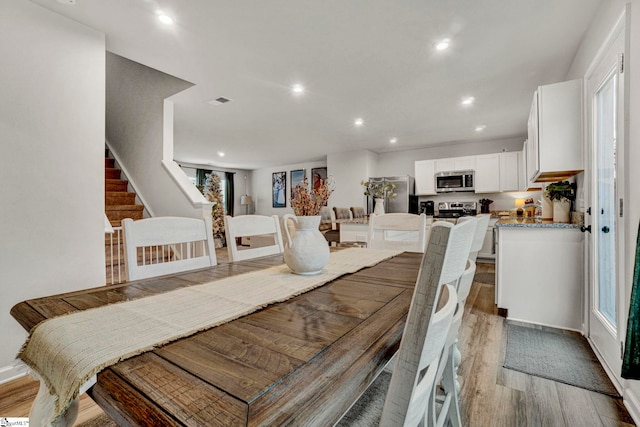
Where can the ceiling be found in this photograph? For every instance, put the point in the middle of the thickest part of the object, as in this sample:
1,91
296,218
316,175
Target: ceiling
373,59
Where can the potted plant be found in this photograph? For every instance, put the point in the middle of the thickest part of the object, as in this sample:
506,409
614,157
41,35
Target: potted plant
562,193
379,191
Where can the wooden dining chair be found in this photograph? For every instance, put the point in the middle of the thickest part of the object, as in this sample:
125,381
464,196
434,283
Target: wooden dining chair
259,228
165,245
400,231
328,226
482,222
443,263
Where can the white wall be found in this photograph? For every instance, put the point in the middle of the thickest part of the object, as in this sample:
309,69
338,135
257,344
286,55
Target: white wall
261,185
140,132
348,170
52,150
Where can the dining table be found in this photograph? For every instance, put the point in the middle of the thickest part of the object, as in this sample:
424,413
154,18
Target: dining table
302,362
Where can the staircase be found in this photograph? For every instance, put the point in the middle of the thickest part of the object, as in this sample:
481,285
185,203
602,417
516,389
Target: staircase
119,204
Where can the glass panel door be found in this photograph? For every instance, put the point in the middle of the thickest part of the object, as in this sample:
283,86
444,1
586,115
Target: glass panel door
605,134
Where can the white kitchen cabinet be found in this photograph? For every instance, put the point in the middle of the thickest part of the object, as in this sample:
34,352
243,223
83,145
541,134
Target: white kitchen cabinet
444,165
488,245
425,180
487,174
554,148
539,275
464,163
524,183
509,171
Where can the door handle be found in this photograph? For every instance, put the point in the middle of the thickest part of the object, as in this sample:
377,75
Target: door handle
587,228
605,229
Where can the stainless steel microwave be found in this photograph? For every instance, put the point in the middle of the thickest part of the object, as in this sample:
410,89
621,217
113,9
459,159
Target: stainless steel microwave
447,182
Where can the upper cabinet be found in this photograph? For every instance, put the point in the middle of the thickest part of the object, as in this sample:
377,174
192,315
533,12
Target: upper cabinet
425,171
487,174
524,183
509,171
554,147
493,172
466,163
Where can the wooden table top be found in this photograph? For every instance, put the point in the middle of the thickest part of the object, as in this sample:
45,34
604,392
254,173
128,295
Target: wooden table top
300,362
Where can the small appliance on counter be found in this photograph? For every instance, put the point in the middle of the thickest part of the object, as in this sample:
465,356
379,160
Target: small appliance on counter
427,208
456,209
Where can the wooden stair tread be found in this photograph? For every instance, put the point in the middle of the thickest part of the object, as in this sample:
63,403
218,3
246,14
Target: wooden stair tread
136,208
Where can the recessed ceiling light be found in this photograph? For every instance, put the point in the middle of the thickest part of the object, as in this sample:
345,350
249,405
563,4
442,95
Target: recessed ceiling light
165,19
297,89
442,44
393,140
468,100
480,128
220,153
358,122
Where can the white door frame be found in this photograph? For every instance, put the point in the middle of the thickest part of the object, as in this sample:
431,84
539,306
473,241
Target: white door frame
611,367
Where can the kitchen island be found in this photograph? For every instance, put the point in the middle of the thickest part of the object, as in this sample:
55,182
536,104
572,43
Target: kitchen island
539,272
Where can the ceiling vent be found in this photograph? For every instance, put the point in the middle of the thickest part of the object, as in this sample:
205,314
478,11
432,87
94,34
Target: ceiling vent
219,101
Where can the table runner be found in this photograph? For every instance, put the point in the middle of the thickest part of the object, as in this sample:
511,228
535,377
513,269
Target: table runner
66,351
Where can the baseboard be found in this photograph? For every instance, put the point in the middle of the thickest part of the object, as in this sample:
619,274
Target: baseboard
544,324
632,403
13,372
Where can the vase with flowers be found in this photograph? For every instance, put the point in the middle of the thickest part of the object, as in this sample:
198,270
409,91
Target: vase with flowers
379,191
562,194
306,251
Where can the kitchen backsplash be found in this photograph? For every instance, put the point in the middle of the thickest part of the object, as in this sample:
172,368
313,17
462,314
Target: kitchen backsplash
501,201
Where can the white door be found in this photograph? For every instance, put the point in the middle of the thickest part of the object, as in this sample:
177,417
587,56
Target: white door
605,111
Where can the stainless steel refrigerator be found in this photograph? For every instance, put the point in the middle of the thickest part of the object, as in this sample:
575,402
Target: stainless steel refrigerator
405,200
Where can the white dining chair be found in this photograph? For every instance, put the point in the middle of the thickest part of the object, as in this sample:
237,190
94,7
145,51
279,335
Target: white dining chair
445,405
400,231
482,222
413,378
165,245
257,227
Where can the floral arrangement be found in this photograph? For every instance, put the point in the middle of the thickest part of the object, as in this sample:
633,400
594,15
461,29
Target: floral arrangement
561,190
379,190
308,203
213,193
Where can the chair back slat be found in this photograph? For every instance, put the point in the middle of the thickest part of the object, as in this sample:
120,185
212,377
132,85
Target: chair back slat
252,226
397,231
165,245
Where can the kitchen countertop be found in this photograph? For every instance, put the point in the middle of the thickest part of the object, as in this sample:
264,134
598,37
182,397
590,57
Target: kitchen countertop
511,222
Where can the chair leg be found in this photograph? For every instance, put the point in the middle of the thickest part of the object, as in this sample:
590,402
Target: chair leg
450,386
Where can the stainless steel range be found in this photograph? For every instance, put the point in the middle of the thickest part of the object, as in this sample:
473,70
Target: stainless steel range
456,209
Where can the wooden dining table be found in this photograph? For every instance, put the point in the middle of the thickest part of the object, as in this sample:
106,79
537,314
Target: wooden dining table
299,362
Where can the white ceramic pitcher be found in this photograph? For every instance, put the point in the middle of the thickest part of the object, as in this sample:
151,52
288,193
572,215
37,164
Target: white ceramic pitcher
307,252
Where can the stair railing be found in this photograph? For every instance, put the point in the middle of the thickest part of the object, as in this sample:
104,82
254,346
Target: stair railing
114,256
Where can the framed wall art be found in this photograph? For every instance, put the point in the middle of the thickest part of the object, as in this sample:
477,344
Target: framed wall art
318,177
279,189
297,177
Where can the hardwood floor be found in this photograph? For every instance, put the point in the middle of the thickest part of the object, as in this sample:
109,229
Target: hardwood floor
490,396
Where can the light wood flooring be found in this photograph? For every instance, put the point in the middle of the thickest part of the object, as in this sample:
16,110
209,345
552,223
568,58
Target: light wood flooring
490,396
